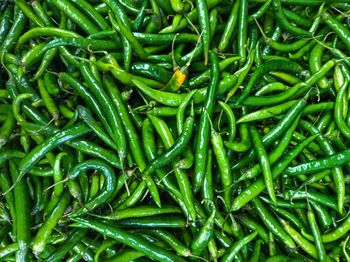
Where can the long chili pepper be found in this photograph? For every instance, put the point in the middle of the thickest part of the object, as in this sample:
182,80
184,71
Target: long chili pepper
173,130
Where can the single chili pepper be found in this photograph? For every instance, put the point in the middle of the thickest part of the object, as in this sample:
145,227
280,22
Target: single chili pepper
22,208
150,70
177,79
88,118
126,238
48,100
263,161
242,29
332,161
315,196
32,56
229,27
37,153
45,62
293,219
45,31
223,164
203,18
92,14
20,20
5,23
57,175
204,235
242,73
284,23
284,204
315,64
203,129
231,120
108,185
260,12
141,211
338,28
76,15
267,112
321,253
337,233
45,230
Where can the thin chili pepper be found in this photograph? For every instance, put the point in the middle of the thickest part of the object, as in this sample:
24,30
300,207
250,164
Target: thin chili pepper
88,118
315,64
203,129
36,53
284,23
332,161
223,164
40,239
76,15
203,17
321,253
9,43
263,161
242,29
133,241
45,31
338,28
204,235
23,221
37,153
315,196
230,26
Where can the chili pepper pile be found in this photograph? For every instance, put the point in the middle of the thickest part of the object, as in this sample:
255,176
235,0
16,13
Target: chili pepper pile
174,130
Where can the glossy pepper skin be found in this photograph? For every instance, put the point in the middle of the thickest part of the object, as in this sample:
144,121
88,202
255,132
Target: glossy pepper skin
174,130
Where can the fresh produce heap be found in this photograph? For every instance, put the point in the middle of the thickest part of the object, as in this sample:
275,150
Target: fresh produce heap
174,130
